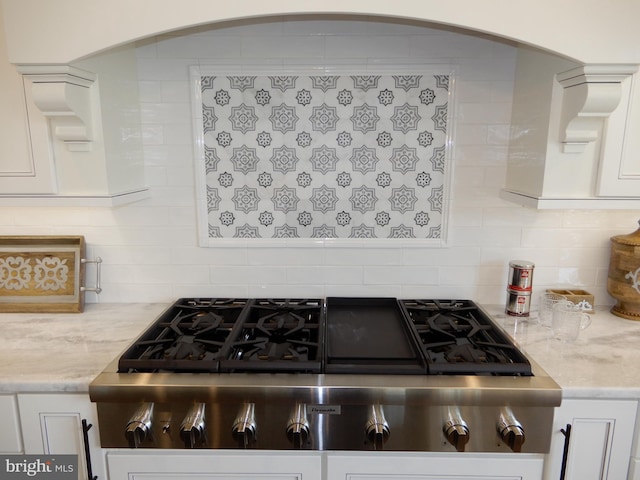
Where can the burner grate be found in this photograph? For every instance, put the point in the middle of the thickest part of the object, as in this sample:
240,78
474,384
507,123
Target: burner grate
457,337
189,337
345,336
282,335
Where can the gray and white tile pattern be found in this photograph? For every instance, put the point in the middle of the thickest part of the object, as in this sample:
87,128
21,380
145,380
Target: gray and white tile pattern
326,156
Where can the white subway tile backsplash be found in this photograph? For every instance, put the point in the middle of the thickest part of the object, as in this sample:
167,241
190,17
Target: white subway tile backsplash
150,248
368,46
401,274
362,256
134,255
556,237
198,47
325,275
451,46
481,155
442,257
150,91
484,113
122,292
364,291
261,256
57,217
471,134
161,69
247,275
152,134
175,92
304,46
164,113
494,177
498,134
209,256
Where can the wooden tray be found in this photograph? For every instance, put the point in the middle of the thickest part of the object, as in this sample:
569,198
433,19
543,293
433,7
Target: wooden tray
41,273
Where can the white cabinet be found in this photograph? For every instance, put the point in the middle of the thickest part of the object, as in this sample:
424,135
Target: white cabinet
619,168
600,440
57,423
70,135
18,171
573,142
10,437
213,465
428,466
220,465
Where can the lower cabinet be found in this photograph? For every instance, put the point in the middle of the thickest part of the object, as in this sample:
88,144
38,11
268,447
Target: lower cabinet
428,466
10,436
592,440
598,447
63,424
213,465
210,465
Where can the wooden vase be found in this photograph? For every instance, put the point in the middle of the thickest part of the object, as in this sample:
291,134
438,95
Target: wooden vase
623,283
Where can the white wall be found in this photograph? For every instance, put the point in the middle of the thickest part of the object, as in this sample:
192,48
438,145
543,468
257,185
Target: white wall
150,248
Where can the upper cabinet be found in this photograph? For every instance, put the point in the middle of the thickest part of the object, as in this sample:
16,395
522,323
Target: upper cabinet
572,143
73,135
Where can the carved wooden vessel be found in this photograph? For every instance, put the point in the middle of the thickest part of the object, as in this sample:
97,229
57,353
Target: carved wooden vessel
624,275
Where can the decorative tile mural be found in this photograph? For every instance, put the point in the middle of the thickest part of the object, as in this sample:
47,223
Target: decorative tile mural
326,156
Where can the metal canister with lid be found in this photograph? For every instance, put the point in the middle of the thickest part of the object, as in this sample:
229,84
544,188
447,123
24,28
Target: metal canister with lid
518,303
521,275
519,288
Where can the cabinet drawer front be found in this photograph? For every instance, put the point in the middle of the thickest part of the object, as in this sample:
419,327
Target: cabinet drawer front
213,465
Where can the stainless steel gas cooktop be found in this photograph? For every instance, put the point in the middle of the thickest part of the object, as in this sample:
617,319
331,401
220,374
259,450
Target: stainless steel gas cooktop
325,374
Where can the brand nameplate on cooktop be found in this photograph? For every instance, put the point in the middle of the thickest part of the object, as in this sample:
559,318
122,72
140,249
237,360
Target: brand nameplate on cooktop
324,409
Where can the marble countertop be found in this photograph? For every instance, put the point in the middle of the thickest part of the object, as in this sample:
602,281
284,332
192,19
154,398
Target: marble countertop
603,362
64,352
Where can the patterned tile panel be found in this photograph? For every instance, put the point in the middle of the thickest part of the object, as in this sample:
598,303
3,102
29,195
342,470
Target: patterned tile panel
327,156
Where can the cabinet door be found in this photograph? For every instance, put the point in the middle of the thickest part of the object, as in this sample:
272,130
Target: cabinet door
52,424
600,440
427,466
619,171
21,169
10,438
213,465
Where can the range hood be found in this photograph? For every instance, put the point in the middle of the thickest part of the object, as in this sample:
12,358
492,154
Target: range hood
583,63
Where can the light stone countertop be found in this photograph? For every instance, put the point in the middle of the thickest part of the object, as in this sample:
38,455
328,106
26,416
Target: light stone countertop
54,352
63,352
603,362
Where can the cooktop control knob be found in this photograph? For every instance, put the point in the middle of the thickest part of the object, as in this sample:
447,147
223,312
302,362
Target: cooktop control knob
377,428
298,426
244,426
139,427
510,430
192,428
456,430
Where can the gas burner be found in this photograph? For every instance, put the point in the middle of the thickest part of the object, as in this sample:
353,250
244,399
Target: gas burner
189,337
457,337
278,335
